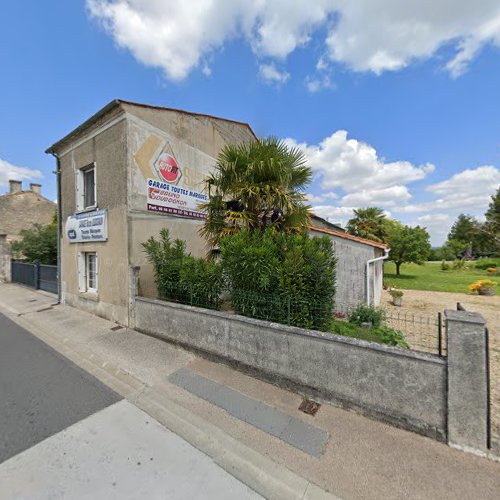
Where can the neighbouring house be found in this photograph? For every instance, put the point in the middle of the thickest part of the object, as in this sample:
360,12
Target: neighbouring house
20,209
133,169
360,266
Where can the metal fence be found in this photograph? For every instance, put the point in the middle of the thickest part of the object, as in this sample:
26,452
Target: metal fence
421,332
37,276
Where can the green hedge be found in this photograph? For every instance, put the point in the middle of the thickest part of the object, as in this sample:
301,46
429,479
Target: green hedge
280,277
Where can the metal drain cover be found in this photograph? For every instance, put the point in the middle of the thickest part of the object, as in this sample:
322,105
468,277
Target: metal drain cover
310,407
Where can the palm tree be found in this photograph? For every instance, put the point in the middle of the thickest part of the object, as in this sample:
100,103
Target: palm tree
256,185
369,223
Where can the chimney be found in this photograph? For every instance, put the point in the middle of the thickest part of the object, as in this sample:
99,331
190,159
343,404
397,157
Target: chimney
15,186
36,188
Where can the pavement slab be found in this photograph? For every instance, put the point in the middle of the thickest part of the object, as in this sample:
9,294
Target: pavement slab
291,430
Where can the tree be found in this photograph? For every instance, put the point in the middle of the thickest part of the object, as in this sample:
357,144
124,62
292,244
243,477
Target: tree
256,185
38,244
453,249
369,223
463,229
408,244
491,228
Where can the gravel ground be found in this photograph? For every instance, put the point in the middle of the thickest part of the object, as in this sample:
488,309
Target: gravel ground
428,304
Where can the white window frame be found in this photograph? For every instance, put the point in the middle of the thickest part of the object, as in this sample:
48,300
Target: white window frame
80,188
88,287
84,275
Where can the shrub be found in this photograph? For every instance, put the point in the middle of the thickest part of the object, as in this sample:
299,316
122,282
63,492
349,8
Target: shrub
445,266
485,264
181,277
391,336
383,334
280,277
458,264
367,314
396,293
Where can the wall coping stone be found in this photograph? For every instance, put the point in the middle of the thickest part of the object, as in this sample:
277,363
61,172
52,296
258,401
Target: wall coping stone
464,316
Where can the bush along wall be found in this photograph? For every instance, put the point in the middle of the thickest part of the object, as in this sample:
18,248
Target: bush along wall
181,277
286,278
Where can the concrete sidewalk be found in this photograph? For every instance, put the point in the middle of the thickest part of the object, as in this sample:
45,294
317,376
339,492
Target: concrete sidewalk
253,429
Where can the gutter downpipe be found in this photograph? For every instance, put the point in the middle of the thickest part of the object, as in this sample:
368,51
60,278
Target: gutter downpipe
57,172
371,261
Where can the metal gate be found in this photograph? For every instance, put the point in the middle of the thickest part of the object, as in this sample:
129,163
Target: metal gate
37,276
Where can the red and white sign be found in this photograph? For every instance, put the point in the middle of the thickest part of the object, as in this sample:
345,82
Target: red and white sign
174,200
166,166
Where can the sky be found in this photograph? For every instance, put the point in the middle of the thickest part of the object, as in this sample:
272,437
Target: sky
396,104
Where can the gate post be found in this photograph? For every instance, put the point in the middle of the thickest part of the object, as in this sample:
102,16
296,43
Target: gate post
36,270
468,405
5,259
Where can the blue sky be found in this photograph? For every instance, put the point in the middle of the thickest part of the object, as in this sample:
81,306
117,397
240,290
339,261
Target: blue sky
396,104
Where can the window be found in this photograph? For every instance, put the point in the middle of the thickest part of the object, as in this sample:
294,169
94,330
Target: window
86,188
89,187
88,271
91,271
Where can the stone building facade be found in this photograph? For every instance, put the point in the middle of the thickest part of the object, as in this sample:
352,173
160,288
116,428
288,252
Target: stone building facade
21,209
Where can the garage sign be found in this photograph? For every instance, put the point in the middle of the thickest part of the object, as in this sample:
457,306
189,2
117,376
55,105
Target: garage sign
87,226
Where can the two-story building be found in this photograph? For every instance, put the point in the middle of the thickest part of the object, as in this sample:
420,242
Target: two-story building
131,170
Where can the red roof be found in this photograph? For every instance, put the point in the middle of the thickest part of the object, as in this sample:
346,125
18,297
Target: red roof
347,236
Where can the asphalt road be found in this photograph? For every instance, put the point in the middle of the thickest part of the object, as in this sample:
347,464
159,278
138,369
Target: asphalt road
41,392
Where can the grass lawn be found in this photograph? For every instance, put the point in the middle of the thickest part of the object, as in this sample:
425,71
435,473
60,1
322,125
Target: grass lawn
430,277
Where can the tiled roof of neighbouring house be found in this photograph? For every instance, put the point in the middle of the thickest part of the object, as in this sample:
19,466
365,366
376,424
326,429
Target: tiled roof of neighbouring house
347,236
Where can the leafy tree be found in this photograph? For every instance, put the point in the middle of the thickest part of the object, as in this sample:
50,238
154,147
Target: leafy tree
463,228
38,244
408,244
254,186
469,231
369,223
491,228
453,249
493,212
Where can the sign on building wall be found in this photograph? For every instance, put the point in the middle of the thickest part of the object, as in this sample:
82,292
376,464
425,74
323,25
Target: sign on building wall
173,180
174,200
88,226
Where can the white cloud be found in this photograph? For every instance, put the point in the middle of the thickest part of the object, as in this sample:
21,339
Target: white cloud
466,191
335,215
321,83
357,169
361,178
311,198
365,35
386,35
388,197
272,75
8,171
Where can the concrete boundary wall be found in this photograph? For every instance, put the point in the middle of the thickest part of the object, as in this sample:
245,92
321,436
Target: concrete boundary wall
402,387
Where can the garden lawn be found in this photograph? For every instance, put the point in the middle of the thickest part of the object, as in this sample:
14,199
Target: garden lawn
429,276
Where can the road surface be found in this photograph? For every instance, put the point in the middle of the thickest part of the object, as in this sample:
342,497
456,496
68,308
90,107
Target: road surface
63,434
